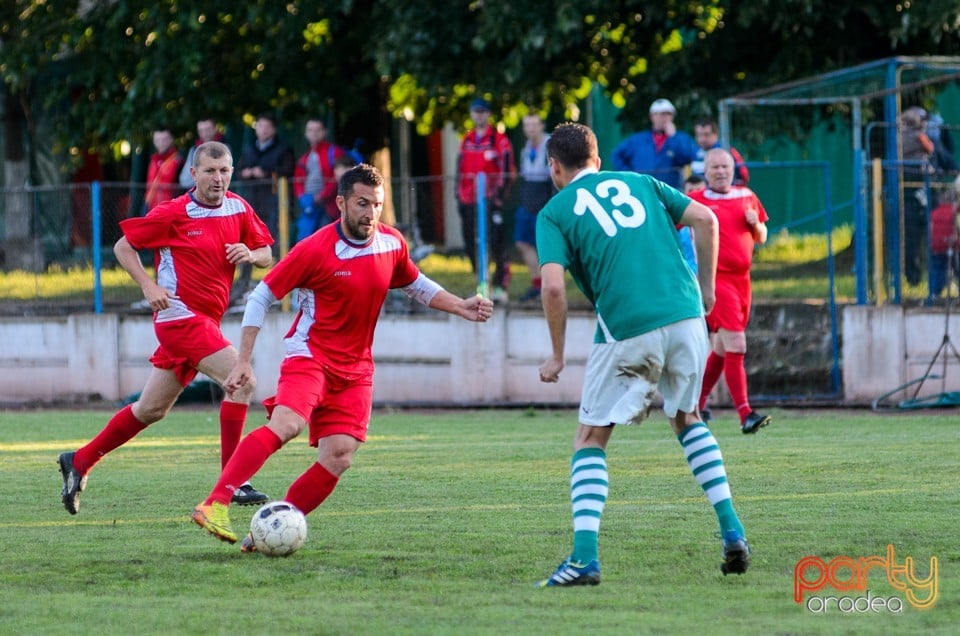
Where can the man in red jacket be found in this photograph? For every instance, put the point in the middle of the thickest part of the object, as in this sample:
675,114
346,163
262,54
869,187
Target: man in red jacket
486,150
163,172
314,184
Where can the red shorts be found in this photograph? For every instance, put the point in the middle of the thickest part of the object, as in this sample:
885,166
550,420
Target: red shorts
184,343
732,309
332,402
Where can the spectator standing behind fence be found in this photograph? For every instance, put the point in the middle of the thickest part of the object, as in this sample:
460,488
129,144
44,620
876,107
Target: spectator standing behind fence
198,239
917,150
742,222
942,143
706,132
614,232
943,243
162,171
486,150
314,183
536,188
206,131
263,161
662,151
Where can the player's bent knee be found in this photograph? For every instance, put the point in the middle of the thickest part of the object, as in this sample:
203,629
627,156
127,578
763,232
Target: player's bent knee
337,462
149,414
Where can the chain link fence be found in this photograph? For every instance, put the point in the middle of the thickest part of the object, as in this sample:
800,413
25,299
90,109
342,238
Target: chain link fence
56,242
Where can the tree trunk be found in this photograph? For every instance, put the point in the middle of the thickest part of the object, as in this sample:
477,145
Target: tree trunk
20,245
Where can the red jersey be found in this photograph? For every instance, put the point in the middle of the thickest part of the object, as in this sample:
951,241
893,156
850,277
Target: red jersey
342,288
491,154
189,240
163,178
943,228
736,240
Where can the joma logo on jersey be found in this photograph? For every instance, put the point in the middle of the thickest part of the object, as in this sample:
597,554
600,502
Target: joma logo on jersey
343,272
194,232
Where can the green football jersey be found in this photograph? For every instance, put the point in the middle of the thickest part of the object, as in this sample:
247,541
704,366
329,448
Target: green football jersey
615,232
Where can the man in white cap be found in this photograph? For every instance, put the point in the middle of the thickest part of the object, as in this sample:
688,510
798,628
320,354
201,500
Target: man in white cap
662,151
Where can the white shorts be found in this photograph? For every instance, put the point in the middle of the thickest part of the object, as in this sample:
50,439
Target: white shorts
622,378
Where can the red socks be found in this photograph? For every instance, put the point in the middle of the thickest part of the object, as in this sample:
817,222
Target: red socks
311,488
251,454
121,428
233,415
736,377
710,376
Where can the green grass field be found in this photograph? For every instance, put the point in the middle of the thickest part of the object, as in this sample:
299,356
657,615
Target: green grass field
447,519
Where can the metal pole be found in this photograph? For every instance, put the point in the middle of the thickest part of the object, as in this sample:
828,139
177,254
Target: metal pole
481,234
96,228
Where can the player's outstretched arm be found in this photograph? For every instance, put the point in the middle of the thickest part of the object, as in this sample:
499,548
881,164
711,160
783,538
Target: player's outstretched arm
429,293
475,309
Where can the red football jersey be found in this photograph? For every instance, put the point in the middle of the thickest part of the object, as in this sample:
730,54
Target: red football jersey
189,240
342,288
736,240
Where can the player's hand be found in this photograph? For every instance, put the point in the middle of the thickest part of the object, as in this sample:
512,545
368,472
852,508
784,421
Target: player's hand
477,308
238,253
669,129
157,297
550,370
752,216
241,373
709,300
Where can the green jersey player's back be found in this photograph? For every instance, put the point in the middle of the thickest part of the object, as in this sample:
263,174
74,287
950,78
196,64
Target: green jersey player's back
615,232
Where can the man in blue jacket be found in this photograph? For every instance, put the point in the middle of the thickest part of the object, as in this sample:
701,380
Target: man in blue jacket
662,151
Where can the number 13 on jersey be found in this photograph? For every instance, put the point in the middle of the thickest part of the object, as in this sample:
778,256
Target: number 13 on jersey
626,211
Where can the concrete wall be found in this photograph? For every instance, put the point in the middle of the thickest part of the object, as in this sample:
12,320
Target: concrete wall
435,359
888,347
429,358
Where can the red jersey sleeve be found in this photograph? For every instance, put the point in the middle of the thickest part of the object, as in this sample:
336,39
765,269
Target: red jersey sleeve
154,230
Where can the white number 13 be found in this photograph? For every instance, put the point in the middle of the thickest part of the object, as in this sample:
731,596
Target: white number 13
619,195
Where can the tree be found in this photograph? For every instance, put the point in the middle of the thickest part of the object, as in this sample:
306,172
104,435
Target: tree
124,67
694,52
112,70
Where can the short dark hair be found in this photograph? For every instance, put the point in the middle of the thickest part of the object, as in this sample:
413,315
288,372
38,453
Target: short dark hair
708,121
270,117
694,179
572,145
361,173
212,149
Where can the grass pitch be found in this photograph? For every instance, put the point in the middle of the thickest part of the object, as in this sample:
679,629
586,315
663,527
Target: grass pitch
447,519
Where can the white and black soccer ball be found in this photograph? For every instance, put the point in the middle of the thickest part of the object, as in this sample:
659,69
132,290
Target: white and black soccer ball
278,529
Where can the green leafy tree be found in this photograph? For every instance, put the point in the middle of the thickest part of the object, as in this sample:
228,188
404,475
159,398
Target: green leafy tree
112,70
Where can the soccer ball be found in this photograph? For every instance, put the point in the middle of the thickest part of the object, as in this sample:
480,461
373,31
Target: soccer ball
278,529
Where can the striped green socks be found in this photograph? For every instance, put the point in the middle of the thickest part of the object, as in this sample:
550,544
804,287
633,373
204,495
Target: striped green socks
588,494
703,455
